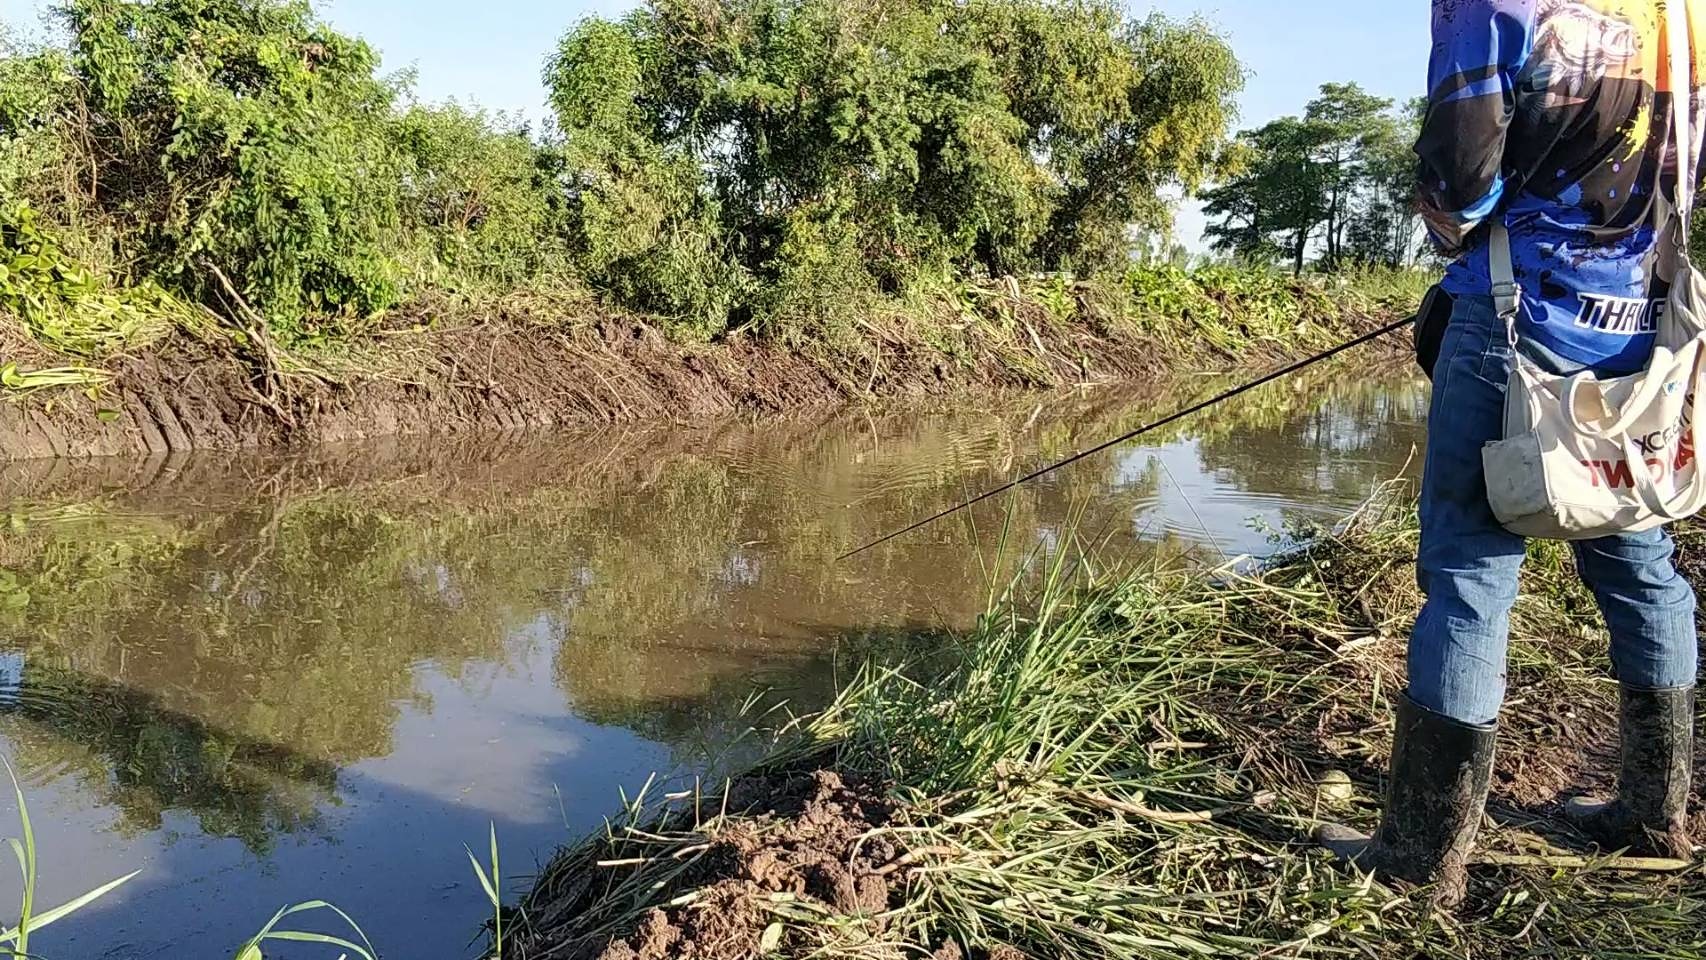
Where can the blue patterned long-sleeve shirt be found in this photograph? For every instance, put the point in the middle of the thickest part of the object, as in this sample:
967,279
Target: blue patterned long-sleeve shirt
1555,115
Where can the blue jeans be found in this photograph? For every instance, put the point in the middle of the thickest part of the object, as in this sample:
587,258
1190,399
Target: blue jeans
1468,564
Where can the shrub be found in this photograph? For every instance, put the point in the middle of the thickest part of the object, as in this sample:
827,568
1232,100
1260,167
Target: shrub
723,154
476,193
242,136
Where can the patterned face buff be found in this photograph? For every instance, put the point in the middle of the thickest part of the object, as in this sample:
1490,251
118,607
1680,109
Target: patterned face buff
1583,45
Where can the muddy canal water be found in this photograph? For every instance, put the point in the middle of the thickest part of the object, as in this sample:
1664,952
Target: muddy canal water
265,679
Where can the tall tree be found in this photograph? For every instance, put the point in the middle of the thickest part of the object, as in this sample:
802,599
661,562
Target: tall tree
1384,228
757,154
1348,121
1275,204
1339,179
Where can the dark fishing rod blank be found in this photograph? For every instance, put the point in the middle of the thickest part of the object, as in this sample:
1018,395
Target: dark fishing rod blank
1133,435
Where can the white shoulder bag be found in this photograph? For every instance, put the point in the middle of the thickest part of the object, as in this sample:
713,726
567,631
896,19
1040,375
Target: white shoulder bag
1584,457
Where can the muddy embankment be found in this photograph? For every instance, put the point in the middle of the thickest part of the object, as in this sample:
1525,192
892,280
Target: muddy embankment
500,377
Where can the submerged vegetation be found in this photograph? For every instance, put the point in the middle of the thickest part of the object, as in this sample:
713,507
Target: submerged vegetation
1128,765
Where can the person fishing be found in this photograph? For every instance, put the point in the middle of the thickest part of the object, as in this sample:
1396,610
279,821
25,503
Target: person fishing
1549,116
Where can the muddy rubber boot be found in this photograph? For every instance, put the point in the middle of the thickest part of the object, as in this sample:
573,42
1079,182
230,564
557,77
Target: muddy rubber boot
1649,816
1436,794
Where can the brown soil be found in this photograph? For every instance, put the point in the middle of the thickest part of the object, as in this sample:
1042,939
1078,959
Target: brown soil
809,843
510,375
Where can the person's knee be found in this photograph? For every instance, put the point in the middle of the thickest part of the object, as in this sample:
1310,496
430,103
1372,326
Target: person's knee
1478,590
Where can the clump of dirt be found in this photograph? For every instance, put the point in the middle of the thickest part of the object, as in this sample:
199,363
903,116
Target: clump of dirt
812,842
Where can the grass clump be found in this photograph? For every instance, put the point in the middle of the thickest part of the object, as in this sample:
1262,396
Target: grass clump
1116,766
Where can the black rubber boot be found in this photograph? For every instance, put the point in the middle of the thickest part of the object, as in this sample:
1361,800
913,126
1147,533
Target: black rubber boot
1650,814
1436,794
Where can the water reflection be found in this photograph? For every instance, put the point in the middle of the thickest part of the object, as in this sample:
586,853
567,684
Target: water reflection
318,675
126,750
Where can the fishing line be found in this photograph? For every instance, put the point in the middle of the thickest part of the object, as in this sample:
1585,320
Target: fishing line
1133,435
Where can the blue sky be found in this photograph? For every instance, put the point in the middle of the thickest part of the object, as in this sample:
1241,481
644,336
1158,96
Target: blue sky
490,51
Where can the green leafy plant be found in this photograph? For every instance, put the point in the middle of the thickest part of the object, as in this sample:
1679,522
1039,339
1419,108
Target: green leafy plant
778,158
23,381
63,303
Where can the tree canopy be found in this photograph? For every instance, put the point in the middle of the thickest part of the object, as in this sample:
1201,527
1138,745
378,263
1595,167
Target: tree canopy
712,163
759,154
1338,180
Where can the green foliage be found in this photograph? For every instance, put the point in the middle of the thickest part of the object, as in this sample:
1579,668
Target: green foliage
791,167
15,940
252,949
1341,176
62,303
788,159
491,882
246,136
1383,230
476,193
243,155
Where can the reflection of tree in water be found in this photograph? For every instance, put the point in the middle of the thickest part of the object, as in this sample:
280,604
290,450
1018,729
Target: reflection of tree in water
703,701
219,664
124,748
1340,436
674,568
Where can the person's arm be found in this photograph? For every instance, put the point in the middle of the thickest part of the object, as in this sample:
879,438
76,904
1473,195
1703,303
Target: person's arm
1480,46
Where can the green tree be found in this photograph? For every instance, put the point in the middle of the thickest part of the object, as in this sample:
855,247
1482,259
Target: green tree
782,158
1384,227
241,136
1272,207
1340,180
242,150
1347,122
477,194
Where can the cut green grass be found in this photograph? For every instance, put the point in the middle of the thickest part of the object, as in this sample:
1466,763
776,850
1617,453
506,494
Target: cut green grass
1118,766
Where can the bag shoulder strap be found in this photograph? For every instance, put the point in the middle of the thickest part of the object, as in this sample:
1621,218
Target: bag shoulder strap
1507,296
1679,55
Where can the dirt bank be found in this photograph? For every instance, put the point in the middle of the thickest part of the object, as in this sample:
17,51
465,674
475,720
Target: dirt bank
501,376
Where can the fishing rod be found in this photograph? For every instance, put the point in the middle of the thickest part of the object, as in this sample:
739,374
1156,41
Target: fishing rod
1133,435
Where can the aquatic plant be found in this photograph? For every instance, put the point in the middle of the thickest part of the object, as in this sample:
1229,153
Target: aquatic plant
252,949
491,882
